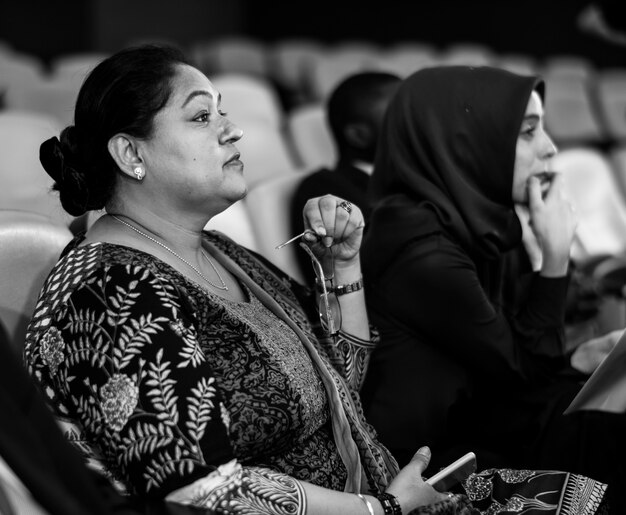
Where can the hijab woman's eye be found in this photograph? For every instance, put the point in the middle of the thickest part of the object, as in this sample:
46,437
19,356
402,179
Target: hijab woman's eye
529,131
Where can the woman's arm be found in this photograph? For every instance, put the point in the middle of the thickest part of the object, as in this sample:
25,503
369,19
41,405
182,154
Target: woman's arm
263,491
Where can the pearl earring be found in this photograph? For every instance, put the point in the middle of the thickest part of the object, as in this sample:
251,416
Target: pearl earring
138,171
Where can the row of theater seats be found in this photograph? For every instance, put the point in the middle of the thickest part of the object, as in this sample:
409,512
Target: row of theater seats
264,82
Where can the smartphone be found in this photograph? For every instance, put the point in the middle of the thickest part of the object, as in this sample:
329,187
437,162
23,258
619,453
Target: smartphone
454,473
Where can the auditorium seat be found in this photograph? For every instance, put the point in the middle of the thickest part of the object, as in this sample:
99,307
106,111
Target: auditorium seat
310,136
25,184
269,206
30,245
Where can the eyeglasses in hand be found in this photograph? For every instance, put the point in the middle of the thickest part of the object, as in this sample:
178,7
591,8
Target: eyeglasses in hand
328,306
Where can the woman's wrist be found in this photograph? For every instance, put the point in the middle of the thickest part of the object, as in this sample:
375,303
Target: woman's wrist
555,268
346,272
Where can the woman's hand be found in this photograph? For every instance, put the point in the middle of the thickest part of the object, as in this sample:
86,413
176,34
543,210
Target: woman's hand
409,486
553,222
588,355
334,223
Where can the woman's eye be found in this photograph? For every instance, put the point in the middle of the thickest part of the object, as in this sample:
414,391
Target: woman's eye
202,117
223,113
530,131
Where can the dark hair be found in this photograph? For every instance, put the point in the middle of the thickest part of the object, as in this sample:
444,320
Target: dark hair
122,94
355,98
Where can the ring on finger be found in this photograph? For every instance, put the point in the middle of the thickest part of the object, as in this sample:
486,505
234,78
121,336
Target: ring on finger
344,204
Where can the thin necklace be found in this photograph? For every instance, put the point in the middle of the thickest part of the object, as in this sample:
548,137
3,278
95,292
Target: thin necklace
219,276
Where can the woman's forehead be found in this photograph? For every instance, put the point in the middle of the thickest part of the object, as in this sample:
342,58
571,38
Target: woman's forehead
190,82
535,105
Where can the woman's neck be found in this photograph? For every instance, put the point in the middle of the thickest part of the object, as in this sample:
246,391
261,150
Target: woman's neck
183,235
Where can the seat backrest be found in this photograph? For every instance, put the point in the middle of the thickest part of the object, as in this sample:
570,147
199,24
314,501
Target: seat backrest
49,96
75,67
522,64
618,160
289,60
30,245
611,95
231,54
265,151
246,97
25,184
600,207
404,59
571,117
310,136
467,53
568,66
329,68
18,69
235,223
269,206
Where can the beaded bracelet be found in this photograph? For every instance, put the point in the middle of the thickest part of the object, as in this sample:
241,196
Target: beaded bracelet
370,508
390,503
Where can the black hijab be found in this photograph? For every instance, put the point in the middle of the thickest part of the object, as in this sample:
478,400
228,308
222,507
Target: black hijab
446,157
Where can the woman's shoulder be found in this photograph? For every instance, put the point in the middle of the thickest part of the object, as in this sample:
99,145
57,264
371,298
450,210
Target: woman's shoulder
78,261
80,266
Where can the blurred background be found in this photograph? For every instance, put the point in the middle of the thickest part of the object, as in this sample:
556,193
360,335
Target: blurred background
539,28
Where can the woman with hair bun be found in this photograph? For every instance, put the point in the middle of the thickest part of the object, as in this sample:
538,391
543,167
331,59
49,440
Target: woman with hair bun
192,368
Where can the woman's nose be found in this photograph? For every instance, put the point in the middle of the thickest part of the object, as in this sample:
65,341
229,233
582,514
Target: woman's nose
550,148
232,132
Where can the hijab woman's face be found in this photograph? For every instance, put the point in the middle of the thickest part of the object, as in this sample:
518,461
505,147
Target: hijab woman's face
533,152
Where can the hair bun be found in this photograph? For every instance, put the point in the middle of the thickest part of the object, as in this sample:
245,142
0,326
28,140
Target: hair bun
58,158
51,158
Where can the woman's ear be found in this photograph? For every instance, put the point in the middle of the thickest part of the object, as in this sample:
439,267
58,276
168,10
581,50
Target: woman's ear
358,135
124,151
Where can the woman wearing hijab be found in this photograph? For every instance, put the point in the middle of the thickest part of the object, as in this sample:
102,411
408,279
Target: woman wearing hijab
467,356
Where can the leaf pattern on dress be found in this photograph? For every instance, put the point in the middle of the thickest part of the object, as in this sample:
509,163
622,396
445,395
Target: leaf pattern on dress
143,439
200,408
162,394
191,351
122,301
134,336
167,293
164,464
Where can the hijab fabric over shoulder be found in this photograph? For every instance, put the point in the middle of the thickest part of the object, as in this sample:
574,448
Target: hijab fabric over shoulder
446,156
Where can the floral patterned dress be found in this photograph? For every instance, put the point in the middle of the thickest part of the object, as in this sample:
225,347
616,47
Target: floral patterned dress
174,391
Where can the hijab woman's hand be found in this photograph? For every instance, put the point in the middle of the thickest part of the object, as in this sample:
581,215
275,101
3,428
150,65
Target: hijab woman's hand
553,222
334,223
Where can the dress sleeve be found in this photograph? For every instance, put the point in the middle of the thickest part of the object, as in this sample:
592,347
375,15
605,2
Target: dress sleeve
435,293
122,358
